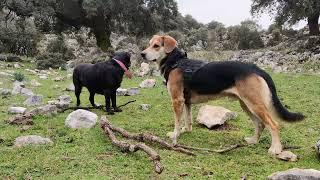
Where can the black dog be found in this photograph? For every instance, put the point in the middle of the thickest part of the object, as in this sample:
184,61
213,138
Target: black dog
102,78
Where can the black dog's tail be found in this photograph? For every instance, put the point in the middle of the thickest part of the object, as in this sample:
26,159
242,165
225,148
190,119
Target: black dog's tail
282,112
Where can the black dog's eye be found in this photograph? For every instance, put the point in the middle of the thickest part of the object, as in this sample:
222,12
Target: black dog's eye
156,46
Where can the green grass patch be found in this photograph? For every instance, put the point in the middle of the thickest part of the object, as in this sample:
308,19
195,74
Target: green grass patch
88,154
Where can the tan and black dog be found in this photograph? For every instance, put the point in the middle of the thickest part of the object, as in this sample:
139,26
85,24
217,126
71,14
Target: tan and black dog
193,81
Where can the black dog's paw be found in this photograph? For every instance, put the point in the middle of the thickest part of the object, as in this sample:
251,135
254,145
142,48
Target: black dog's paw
99,106
117,110
110,112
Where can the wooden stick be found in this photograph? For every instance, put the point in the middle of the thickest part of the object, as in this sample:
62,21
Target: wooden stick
148,138
99,107
221,151
127,147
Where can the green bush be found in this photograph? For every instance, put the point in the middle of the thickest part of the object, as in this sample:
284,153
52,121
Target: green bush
53,60
243,37
276,37
59,46
18,76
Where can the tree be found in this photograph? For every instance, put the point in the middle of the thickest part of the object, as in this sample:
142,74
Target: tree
137,17
291,11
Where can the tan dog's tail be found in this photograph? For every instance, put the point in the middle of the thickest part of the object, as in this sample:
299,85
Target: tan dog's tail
281,111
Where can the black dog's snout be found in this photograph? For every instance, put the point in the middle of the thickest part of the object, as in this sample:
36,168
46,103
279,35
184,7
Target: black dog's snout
143,55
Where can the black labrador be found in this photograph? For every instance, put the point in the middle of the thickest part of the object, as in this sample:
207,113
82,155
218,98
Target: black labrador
102,78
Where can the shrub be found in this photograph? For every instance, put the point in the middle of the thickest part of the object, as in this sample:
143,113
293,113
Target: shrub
59,46
276,37
18,76
53,60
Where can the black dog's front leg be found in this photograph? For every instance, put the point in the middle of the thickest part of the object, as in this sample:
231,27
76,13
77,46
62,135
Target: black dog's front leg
114,101
107,95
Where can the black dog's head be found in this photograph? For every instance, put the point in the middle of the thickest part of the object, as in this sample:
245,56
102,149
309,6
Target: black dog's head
124,57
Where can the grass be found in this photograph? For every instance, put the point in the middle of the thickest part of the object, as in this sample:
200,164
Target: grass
88,154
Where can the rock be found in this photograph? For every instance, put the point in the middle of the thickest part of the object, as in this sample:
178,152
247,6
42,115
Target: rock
148,83
25,119
57,79
35,83
133,91
81,119
43,76
17,66
26,92
296,174
211,116
4,74
287,156
70,88
65,98
46,110
17,110
145,107
144,70
122,92
31,71
34,100
31,140
5,92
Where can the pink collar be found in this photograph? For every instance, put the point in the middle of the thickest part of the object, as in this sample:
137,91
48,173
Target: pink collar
126,71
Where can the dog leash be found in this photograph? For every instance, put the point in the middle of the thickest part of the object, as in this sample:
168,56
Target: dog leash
126,71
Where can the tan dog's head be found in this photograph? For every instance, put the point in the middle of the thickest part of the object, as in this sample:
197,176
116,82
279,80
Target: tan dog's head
159,47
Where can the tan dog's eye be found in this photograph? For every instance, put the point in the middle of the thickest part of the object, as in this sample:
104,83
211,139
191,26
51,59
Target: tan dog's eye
156,46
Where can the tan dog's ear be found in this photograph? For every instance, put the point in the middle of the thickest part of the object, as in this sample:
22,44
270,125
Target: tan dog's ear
169,43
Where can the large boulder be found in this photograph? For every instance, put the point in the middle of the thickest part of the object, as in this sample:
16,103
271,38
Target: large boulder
148,83
212,116
31,140
296,174
81,119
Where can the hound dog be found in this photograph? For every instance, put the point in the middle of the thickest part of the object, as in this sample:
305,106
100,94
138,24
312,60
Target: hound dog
188,85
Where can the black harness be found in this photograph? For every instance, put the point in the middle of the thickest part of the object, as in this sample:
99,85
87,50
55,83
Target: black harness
177,59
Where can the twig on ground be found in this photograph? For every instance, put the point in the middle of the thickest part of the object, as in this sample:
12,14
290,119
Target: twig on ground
127,147
221,151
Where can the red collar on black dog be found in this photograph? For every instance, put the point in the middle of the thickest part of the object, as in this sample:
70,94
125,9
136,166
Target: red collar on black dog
126,71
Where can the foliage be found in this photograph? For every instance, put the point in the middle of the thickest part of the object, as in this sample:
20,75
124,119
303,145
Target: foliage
245,36
53,60
290,11
18,76
59,46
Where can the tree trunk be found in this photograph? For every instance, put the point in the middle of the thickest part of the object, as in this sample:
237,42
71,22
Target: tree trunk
102,31
313,23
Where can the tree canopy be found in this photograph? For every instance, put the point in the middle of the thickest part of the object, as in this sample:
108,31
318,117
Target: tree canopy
291,11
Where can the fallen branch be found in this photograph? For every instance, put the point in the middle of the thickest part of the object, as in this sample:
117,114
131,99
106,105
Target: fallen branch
99,107
221,151
127,147
148,138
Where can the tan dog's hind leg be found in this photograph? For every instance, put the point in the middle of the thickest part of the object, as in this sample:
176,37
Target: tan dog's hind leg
255,94
188,117
258,125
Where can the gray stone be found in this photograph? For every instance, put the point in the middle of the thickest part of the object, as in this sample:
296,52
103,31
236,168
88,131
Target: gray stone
145,107
4,74
47,110
211,116
133,91
143,70
81,119
26,92
122,92
57,79
17,110
65,98
287,156
31,140
35,83
43,76
5,92
70,88
148,83
34,100
296,174
317,147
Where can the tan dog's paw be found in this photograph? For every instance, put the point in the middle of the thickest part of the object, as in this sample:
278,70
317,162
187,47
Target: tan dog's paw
183,129
275,150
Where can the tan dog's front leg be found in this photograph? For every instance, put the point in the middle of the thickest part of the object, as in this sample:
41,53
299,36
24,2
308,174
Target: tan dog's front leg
178,105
